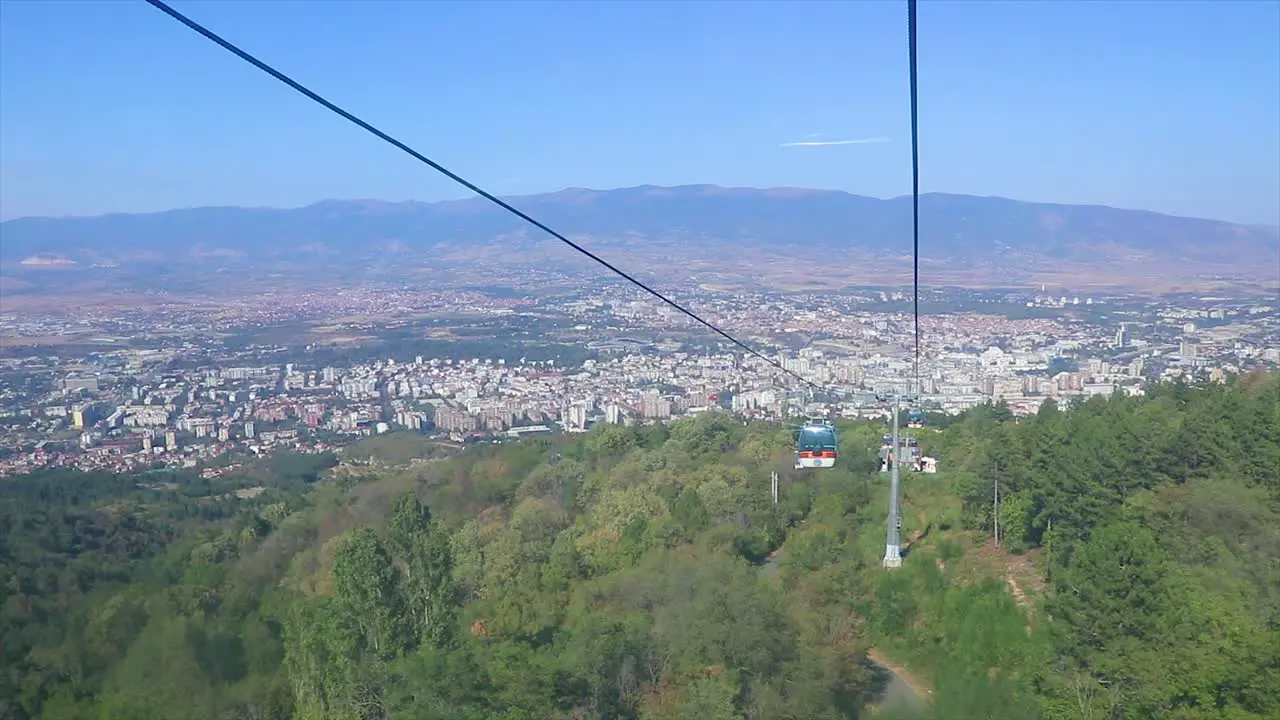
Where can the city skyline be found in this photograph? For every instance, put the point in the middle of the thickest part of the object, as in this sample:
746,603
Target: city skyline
181,383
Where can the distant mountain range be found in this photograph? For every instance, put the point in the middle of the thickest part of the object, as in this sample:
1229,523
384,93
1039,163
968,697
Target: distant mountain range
761,232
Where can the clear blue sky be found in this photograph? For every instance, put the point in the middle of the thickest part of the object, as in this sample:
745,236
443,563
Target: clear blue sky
1169,106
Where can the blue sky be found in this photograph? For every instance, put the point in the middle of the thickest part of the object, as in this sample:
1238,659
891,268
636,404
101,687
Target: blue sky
1173,107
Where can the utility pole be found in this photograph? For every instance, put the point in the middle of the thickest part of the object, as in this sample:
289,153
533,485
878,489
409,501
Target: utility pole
995,510
892,545
774,488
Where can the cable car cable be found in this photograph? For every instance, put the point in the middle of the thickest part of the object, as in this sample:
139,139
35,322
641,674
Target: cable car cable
915,187
243,55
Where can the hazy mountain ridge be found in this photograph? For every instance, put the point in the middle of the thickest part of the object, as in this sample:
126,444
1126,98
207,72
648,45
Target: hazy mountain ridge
686,222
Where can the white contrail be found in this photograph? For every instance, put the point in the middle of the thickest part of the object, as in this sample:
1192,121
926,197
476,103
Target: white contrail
821,143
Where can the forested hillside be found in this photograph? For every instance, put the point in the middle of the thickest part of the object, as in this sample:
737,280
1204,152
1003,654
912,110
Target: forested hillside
645,573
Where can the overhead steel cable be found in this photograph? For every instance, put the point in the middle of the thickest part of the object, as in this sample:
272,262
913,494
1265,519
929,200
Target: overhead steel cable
915,188
243,55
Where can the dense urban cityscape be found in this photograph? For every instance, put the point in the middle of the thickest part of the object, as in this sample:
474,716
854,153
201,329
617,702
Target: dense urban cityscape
166,386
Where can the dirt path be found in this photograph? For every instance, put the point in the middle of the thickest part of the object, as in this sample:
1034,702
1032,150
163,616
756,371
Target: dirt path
903,687
917,686
1018,571
1018,595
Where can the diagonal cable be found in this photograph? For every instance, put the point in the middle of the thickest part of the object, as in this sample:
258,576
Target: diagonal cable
243,55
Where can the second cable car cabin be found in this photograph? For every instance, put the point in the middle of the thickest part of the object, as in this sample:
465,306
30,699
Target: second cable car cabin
816,445
915,419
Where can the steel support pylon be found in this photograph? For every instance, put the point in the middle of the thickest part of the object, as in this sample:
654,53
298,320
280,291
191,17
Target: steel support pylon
892,545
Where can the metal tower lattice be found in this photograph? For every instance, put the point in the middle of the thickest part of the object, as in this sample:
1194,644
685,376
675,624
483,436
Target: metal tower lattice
892,544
